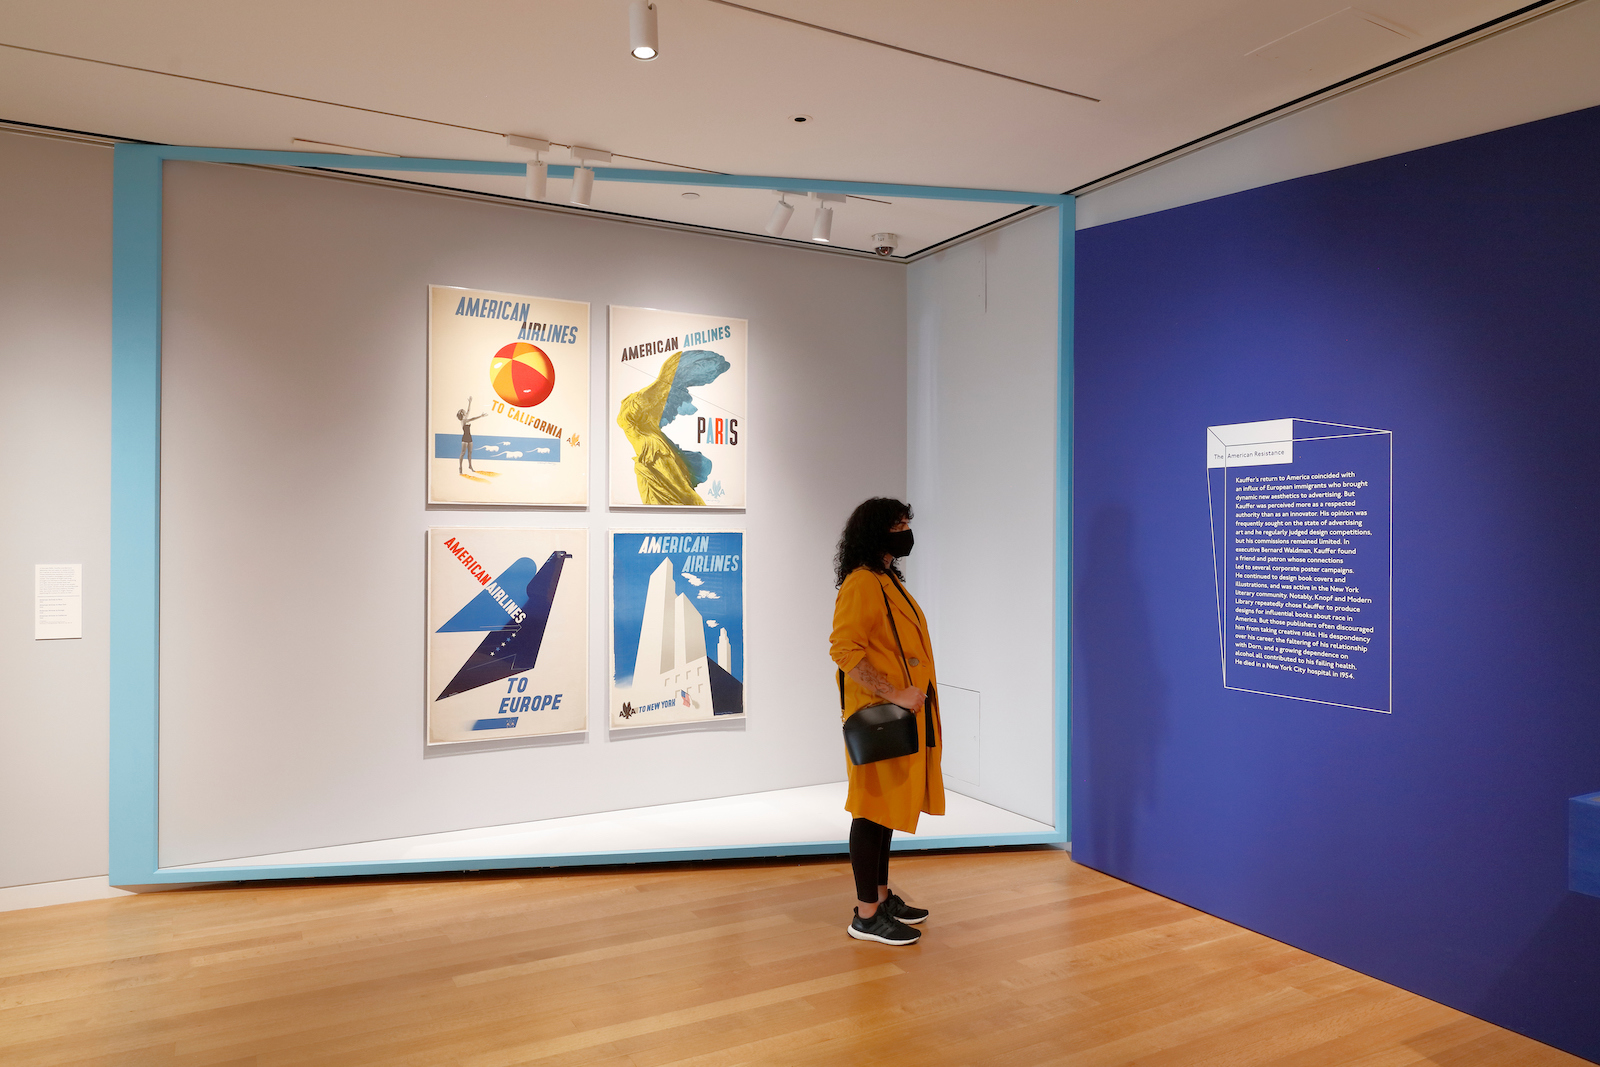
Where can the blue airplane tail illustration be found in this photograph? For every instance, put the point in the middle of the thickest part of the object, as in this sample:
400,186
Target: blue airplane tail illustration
514,647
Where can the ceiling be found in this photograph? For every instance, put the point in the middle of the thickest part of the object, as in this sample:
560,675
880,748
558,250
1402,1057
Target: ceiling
427,79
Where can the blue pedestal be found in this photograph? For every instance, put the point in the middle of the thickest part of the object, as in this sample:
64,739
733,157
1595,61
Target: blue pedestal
1583,844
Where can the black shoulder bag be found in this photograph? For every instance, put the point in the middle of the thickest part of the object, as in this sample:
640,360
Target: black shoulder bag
881,731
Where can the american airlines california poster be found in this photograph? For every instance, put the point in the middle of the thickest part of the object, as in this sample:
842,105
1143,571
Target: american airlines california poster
508,398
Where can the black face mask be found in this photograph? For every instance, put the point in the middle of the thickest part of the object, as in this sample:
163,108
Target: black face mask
899,543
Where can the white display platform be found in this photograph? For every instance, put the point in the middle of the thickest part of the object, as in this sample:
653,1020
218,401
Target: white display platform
808,814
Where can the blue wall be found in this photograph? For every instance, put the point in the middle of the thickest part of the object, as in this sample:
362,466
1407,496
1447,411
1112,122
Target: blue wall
1451,295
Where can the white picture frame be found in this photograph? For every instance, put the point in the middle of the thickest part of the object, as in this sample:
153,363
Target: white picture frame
677,599
507,633
677,409
508,399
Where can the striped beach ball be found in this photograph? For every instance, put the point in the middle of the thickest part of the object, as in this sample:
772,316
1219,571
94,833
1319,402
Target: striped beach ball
522,374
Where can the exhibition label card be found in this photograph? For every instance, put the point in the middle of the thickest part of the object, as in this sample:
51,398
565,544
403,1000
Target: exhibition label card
1302,547
677,627
677,409
508,398
57,601
508,633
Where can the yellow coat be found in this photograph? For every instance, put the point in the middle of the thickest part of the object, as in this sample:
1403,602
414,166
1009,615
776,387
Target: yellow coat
892,792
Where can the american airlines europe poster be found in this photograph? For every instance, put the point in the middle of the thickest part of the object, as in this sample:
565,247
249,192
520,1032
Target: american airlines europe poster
507,633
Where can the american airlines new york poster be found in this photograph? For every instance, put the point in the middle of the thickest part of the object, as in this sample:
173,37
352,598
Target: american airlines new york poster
677,627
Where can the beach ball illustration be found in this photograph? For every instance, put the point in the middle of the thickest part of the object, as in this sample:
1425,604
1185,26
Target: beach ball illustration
522,374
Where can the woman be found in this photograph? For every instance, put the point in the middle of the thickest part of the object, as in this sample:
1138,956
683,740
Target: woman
873,609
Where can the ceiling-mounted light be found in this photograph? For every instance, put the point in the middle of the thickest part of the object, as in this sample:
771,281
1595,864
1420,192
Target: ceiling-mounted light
782,212
537,183
822,224
583,176
582,186
642,29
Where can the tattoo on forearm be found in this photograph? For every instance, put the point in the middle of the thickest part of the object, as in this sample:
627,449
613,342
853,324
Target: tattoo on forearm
872,679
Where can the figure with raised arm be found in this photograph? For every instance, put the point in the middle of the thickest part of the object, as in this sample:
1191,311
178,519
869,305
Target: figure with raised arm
467,419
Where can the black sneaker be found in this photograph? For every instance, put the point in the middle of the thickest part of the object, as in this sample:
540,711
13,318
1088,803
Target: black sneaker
901,911
882,928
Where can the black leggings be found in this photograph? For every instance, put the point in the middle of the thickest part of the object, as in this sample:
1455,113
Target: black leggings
869,857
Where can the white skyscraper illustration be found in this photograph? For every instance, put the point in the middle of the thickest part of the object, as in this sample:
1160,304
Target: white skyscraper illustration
655,633
724,652
672,644
688,632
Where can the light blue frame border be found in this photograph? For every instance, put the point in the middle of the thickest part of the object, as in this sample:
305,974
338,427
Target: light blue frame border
136,510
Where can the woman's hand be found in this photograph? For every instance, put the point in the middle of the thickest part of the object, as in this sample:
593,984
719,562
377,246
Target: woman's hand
874,682
910,699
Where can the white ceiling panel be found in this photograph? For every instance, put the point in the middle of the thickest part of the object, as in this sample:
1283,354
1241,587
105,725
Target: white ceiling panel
416,78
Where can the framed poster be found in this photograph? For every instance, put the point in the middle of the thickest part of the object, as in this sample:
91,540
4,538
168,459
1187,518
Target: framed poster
508,398
677,627
508,633
677,409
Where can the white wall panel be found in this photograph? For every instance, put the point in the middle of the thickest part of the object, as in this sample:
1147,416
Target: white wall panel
55,435
981,472
292,573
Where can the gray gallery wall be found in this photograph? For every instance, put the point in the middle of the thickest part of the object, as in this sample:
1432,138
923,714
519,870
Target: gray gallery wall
55,408
295,315
292,559
982,475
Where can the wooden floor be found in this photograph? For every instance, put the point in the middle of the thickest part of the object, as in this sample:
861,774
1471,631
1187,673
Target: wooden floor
1028,959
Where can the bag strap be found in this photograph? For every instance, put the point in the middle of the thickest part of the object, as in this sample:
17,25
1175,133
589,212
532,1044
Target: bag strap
907,598
890,612
933,700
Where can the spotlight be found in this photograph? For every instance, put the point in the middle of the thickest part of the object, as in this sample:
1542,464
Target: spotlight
884,243
642,29
822,225
583,174
782,212
582,185
534,188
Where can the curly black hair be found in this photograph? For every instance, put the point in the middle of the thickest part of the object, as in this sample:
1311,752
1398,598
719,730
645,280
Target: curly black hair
864,541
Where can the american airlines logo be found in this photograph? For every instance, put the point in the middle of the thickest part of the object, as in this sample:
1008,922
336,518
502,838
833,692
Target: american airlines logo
659,545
